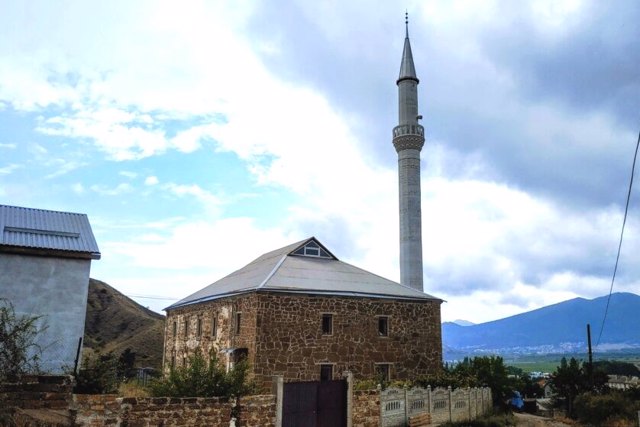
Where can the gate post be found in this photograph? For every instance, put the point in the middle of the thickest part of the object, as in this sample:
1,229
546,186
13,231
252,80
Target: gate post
349,376
406,407
278,390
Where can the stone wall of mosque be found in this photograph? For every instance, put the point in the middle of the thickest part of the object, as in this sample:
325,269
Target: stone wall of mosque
218,326
368,336
285,334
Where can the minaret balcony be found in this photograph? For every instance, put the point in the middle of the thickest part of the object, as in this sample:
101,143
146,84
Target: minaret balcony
414,129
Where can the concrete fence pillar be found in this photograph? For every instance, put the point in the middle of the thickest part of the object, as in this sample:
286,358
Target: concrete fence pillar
278,390
349,377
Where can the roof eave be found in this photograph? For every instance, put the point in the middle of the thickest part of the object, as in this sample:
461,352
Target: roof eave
348,294
60,253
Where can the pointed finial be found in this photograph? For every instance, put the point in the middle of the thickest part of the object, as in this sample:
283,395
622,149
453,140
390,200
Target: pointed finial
406,22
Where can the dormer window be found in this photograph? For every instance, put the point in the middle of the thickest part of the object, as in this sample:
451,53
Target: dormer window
312,249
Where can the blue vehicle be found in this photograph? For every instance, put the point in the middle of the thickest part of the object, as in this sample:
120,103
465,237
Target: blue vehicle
516,401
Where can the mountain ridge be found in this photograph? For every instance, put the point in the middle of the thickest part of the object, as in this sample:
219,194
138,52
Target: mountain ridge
554,328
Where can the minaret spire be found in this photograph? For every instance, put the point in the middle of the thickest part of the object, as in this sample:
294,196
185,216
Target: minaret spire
406,24
408,139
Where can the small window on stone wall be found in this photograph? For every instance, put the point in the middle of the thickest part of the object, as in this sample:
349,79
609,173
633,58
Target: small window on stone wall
326,372
173,359
199,328
327,324
383,326
238,320
383,371
214,325
175,328
186,327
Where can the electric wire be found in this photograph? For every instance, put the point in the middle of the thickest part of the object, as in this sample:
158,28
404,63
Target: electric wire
624,221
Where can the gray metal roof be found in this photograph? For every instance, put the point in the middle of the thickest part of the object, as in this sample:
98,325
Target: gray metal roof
42,231
282,271
407,68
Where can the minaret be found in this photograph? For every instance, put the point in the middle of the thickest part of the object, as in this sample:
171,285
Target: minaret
408,139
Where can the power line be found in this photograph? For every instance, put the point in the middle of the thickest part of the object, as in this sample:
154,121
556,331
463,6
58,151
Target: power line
152,297
624,221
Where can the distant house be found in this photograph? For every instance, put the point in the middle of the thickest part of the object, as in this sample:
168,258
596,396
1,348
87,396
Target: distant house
45,259
301,313
622,382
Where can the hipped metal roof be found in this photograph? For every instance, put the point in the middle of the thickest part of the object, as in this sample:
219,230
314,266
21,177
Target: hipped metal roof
283,271
44,232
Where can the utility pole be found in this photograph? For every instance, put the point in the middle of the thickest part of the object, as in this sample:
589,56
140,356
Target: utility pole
590,367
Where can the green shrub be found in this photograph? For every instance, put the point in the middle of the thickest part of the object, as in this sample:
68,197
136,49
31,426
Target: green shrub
98,375
19,352
601,410
204,378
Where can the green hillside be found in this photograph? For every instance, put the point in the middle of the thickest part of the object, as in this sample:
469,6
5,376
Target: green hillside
115,322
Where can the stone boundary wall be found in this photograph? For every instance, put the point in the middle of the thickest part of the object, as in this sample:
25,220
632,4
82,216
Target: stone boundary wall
37,392
108,410
36,400
45,400
365,408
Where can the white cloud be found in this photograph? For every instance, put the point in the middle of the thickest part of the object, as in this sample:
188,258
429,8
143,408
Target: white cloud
151,180
208,199
78,188
8,146
120,133
119,189
9,169
128,174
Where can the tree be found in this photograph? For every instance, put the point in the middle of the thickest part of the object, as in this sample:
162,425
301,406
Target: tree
19,352
571,379
568,381
485,371
491,372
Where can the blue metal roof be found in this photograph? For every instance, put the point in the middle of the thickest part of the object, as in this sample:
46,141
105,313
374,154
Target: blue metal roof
37,230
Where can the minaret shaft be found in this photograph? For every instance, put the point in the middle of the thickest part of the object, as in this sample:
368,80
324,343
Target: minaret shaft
410,219
408,139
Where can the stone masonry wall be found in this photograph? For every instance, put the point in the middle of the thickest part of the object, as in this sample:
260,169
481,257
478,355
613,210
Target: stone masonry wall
290,341
366,408
283,335
108,410
37,392
179,345
48,401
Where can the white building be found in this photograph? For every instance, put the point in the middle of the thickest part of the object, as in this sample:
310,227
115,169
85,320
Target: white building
45,260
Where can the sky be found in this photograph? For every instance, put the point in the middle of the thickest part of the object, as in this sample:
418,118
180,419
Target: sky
198,135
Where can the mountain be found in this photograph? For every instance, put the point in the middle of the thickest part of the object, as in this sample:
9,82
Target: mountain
556,328
462,322
115,322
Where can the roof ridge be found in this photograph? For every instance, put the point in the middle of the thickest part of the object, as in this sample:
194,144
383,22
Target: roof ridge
43,210
273,271
392,281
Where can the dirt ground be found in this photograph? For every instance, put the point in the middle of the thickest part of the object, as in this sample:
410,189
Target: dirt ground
528,420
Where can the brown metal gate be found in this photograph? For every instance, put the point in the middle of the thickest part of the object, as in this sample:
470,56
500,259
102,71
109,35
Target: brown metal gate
315,404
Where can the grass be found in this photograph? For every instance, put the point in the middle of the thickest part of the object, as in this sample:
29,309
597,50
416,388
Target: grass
133,389
549,363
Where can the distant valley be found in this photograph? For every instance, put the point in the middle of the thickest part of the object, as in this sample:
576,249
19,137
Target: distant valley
558,328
